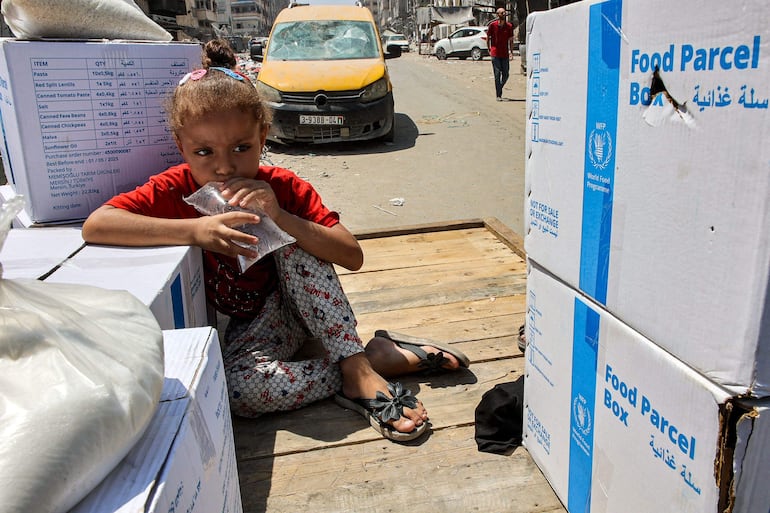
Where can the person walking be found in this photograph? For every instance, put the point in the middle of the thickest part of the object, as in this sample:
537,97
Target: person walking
499,37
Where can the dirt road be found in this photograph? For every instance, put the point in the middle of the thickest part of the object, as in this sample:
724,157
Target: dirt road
458,153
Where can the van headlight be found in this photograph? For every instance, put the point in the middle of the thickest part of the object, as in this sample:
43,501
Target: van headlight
375,91
269,94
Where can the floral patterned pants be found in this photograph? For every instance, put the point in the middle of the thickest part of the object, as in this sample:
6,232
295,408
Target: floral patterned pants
310,303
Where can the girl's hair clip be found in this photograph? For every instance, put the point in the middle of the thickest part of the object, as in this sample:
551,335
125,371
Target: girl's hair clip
199,74
193,75
230,73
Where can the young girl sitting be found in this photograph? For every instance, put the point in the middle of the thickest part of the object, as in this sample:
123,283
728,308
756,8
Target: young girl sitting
220,125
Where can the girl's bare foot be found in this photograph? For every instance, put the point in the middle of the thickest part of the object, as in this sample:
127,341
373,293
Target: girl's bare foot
390,359
361,381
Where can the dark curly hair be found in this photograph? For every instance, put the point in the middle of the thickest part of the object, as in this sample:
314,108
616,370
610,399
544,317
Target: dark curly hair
218,52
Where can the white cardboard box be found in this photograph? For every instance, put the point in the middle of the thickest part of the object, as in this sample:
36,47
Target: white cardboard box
662,214
22,219
617,424
185,460
168,279
83,120
34,253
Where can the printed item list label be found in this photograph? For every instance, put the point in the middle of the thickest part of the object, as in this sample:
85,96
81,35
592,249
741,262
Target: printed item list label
94,112
86,104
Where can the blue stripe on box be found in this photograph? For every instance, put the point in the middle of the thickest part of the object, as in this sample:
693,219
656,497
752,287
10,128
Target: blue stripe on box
585,346
177,302
600,137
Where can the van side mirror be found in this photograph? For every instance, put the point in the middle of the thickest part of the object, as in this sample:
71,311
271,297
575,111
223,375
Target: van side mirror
256,52
392,51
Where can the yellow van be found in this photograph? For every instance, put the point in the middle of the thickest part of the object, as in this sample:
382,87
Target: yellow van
324,76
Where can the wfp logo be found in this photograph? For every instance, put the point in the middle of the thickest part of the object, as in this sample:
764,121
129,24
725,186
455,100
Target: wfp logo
581,415
599,147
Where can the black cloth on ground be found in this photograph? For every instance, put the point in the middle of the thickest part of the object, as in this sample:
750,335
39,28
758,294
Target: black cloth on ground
500,418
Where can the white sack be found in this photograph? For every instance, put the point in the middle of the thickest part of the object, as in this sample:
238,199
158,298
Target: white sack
81,371
81,19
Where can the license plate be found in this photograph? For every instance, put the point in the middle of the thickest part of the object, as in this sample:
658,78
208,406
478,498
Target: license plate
305,119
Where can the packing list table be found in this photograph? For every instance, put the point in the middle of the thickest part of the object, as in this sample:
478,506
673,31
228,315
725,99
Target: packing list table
86,104
84,120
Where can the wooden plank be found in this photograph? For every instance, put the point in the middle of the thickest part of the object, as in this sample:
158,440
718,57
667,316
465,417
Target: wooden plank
463,320
397,243
419,228
446,473
455,273
422,249
444,293
510,238
434,287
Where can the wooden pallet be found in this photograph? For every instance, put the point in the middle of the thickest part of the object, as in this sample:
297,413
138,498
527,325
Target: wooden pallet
463,283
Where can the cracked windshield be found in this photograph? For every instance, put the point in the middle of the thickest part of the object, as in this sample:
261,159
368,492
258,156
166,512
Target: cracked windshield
325,39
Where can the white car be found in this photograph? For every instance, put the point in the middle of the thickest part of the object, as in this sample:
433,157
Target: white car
399,40
463,43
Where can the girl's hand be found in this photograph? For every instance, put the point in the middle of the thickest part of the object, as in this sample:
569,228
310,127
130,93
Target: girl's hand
252,194
217,233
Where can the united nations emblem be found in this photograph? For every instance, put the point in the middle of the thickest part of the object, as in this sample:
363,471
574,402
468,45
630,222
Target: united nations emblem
581,415
599,148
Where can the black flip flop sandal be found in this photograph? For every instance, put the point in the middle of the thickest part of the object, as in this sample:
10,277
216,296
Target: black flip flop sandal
429,362
382,409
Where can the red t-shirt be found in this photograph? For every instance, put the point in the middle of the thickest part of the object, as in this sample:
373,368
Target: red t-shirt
232,293
498,35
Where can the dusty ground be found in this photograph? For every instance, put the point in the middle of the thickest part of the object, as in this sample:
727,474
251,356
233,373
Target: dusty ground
458,153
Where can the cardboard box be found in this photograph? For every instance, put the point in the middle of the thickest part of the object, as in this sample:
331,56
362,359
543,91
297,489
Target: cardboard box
168,279
83,120
617,424
185,460
22,219
36,253
650,191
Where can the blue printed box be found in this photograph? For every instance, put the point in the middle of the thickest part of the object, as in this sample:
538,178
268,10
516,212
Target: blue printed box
647,178
617,424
